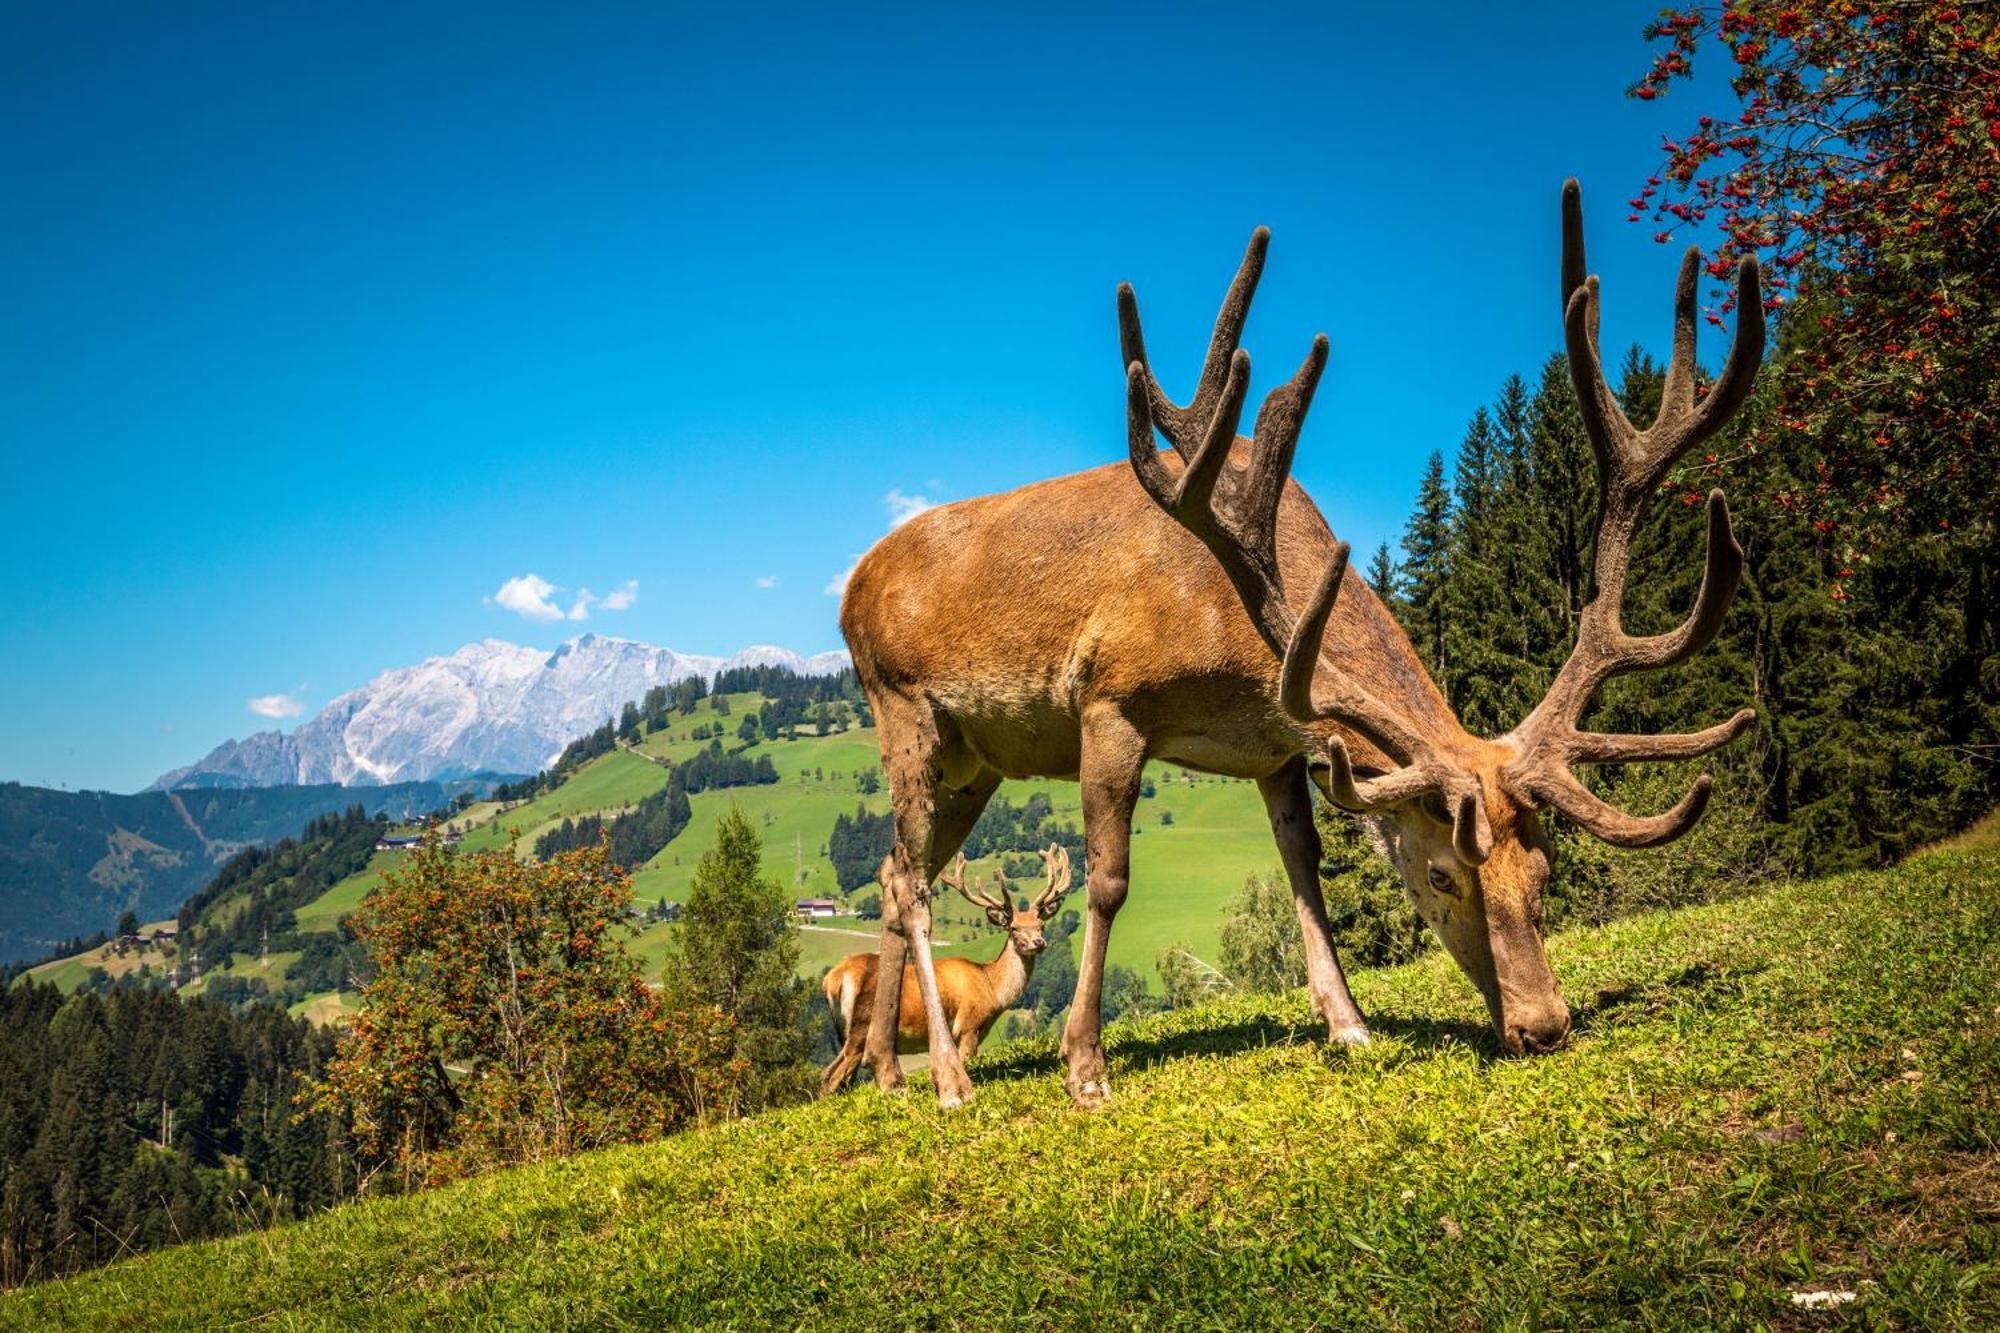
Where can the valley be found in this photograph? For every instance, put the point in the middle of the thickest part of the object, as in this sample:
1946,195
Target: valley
1197,837
70,862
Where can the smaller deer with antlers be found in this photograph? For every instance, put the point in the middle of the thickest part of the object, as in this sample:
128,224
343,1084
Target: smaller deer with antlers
974,994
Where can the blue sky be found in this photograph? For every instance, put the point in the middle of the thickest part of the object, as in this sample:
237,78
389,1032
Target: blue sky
325,322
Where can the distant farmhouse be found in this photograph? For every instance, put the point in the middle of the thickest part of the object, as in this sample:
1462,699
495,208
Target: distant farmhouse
812,909
403,842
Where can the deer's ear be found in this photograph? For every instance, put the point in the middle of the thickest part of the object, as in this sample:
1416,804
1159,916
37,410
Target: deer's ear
1001,919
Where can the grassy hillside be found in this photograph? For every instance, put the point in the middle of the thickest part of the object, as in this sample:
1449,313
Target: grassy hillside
608,782
66,974
1794,1092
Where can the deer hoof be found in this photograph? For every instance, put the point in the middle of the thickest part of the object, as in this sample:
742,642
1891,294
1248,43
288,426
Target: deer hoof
1354,1034
1091,1093
954,1093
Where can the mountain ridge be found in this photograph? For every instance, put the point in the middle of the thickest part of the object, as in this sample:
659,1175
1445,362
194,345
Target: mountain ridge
491,706
71,861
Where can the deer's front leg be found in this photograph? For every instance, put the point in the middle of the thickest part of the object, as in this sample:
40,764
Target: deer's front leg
1114,755
912,890
879,1045
1288,800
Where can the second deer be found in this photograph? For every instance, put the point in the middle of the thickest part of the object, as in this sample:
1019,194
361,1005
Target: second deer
974,994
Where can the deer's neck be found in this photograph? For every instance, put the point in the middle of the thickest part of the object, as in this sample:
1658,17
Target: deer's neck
1008,976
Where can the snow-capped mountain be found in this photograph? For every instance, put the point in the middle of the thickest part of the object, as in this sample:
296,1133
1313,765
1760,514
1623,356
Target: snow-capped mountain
492,706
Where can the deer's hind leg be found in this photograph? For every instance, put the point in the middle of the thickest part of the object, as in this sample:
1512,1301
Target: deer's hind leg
853,1045
922,754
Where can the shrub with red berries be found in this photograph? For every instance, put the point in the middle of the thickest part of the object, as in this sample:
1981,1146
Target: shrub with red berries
1861,164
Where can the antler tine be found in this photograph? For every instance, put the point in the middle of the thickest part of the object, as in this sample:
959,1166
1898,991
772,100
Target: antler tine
1363,795
1275,442
954,877
1575,271
1720,577
1309,695
1746,353
1601,747
1677,392
1184,426
1611,435
1603,820
1056,862
1186,498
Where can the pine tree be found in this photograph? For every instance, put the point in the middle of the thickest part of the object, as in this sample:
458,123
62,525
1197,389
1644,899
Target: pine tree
1563,482
1426,567
1382,575
1474,598
1475,478
736,947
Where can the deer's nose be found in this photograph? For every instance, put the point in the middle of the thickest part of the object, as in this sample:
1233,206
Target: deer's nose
1540,1035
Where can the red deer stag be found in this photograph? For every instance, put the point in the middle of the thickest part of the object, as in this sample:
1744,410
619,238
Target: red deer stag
974,995
1081,626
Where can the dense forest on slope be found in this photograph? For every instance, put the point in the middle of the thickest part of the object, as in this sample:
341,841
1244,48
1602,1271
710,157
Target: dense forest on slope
249,909
137,1119
1877,683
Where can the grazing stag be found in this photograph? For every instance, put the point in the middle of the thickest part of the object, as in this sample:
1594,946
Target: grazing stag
974,995
1082,626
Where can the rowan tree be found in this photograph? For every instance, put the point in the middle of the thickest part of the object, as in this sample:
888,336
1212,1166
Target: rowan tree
1861,163
507,1023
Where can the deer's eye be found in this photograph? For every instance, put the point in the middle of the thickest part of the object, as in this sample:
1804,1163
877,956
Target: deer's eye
1443,882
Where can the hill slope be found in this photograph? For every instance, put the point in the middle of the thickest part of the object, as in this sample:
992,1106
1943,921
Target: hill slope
1797,1091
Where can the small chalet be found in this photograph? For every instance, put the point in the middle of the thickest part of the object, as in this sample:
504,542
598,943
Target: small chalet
403,842
812,909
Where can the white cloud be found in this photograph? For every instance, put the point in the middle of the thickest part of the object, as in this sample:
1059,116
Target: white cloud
276,705
528,597
532,597
838,583
766,581
903,508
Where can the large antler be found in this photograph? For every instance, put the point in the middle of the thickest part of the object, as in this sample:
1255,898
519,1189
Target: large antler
1631,464
1056,862
999,910
1234,510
